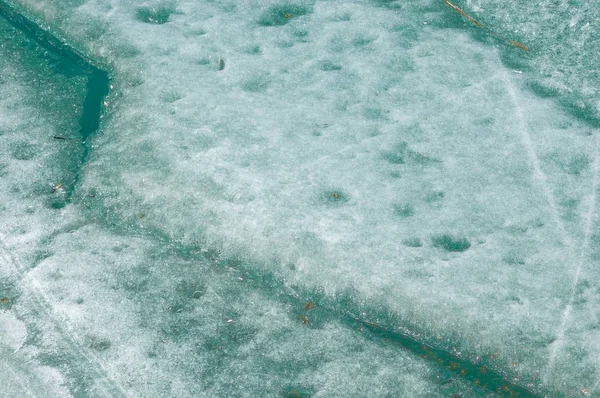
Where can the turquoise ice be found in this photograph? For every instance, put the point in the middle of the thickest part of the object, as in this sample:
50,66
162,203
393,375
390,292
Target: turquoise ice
310,198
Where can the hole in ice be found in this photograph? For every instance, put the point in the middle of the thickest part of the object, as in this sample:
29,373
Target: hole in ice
329,66
253,49
575,164
231,335
281,14
340,17
297,392
570,206
171,96
285,44
23,151
386,3
412,242
434,197
127,50
486,121
362,40
158,15
334,197
255,84
98,343
203,61
404,210
177,308
402,154
408,35
582,110
180,328
450,243
191,289
514,59
59,202
374,113
513,258
301,34
542,89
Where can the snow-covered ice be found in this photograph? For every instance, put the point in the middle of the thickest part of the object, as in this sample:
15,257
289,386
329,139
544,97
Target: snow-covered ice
422,182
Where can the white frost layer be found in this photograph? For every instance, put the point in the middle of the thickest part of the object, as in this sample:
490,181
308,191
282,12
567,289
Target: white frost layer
12,332
347,148
154,322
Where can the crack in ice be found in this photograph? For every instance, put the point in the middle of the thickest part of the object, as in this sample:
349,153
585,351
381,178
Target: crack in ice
560,334
534,161
18,380
559,342
41,301
557,346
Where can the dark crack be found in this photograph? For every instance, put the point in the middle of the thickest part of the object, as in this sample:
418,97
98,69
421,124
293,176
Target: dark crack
72,63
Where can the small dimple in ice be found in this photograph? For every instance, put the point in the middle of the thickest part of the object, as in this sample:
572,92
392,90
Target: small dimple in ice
403,154
281,14
329,66
334,197
404,210
154,15
412,242
451,243
23,151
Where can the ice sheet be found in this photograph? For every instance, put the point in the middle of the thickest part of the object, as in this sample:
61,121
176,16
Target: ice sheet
87,312
154,320
390,158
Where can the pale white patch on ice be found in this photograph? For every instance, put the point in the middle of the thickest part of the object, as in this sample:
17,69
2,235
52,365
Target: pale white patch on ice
12,331
558,344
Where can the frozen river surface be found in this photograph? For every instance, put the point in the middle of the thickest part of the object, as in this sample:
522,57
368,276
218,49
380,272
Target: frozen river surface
271,198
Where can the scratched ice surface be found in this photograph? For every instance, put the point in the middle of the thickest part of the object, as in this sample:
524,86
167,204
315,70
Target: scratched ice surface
36,104
311,198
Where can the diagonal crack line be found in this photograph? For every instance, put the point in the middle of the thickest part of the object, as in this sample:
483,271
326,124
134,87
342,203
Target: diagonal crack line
587,233
540,176
343,308
534,163
97,86
97,89
24,387
41,301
